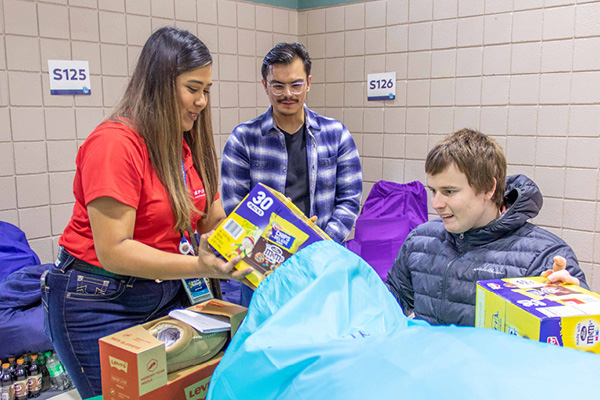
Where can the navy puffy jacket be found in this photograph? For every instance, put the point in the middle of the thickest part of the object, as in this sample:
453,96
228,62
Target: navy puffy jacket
435,273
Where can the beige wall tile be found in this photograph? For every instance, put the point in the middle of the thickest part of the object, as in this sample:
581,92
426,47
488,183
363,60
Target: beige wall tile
112,27
334,70
527,26
550,180
374,64
585,87
139,7
316,21
25,88
32,190
397,12
583,152
582,244
468,91
353,119
526,58
316,97
586,19
397,63
577,214
60,217
466,117
30,157
393,145
524,89
393,170
419,65
247,96
354,69
375,14
60,123
23,53
414,171
416,146
7,162
469,61
227,40
84,3
443,9
207,11
550,151
113,59
53,21
444,34
441,120
497,28
553,121
229,119
518,150
573,187
247,69
442,92
496,60
559,23
494,120
528,4
584,121
228,67
113,88
209,35
264,18
420,11
27,124
84,24
555,88
43,247
5,129
245,16
557,56
318,71
334,19
35,222
162,9
586,55
468,8
89,52
372,145
420,36
551,215
334,44
61,155
281,21
354,94
372,169
443,63
302,23
61,188
138,29
470,31
20,18
354,16
373,120
8,195
417,120
522,120
227,13
86,120
494,90
418,93
396,38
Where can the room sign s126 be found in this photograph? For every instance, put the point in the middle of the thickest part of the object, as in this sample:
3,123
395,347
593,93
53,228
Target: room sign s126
69,77
381,86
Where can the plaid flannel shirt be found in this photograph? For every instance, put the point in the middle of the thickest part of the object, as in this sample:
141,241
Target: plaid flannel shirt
256,152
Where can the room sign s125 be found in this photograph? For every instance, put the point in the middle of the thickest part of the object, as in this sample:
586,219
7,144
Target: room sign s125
381,86
69,77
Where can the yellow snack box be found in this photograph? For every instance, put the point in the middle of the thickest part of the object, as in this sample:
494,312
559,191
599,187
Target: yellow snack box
534,308
265,229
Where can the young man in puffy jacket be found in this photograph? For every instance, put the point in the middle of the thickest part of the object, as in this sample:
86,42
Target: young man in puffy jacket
482,233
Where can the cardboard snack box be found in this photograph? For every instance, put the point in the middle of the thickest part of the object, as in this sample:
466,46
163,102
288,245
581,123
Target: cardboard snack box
133,363
265,229
564,315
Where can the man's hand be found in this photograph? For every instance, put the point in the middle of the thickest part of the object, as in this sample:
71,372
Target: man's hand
558,273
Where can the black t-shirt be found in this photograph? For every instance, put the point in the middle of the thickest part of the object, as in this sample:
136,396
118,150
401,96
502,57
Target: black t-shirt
296,184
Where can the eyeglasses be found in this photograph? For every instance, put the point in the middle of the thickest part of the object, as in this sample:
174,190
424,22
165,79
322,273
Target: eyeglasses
278,89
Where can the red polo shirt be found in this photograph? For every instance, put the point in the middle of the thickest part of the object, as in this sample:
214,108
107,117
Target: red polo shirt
114,161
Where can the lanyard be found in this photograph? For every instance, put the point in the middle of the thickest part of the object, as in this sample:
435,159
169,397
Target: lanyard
185,247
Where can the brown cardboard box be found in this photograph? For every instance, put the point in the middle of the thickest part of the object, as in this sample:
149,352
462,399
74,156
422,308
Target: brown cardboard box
134,363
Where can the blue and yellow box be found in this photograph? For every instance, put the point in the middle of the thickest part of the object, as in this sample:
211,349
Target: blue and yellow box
564,315
266,228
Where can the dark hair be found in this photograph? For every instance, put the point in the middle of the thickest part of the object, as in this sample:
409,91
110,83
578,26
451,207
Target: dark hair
286,53
474,154
150,105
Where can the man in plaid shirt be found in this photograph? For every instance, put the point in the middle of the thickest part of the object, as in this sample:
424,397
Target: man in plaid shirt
310,158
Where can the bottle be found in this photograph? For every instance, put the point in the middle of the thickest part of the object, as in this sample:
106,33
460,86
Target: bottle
34,381
57,372
44,371
12,367
8,387
21,391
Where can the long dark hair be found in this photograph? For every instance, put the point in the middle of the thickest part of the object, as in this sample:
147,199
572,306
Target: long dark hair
151,104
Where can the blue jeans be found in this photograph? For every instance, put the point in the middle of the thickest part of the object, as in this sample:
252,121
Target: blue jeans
82,307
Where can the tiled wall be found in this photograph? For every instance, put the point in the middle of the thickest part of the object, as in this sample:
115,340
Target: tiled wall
525,71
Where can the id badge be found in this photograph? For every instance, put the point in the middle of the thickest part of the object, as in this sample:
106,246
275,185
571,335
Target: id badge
197,290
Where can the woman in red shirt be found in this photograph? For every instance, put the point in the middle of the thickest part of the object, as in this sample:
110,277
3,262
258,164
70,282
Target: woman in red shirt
146,182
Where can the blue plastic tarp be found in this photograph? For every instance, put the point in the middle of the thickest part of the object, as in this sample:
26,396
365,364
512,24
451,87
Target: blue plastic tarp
324,326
